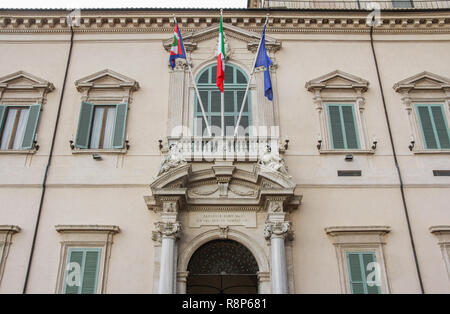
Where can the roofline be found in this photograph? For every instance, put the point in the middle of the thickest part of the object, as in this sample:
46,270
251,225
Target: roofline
217,9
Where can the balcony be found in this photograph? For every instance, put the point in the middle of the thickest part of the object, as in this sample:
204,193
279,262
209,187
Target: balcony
355,4
225,148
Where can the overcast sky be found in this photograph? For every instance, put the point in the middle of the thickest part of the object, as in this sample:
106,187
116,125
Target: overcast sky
123,3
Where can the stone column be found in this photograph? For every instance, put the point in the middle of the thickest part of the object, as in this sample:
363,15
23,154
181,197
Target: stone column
276,230
168,229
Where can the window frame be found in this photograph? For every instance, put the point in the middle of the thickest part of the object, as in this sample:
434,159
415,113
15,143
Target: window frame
210,86
428,105
77,149
356,239
15,125
23,105
344,133
104,118
361,264
70,250
85,237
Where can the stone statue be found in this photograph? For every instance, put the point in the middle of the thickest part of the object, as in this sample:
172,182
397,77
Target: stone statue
273,161
173,159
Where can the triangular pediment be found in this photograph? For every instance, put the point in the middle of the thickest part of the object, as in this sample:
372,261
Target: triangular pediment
337,80
252,39
24,80
423,81
106,79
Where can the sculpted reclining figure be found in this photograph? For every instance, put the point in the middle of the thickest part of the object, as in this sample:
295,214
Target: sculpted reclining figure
273,161
173,159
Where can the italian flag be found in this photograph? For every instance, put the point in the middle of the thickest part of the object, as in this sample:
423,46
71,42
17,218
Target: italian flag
220,58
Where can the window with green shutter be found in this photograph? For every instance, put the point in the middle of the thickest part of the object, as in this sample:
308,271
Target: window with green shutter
434,127
234,90
101,126
82,271
18,126
361,268
343,128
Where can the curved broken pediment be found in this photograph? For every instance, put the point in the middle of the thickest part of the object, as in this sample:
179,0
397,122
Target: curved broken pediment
220,185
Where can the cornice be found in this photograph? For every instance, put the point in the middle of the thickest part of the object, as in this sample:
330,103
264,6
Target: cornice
191,21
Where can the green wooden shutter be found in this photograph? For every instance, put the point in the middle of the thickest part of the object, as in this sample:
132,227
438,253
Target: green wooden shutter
75,256
337,137
358,273
427,127
440,126
2,116
355,273
90,272
366,259
350,127
120,124
84,125
30,129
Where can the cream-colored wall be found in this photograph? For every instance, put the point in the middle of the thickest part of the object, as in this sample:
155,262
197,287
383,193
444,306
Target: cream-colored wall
84,191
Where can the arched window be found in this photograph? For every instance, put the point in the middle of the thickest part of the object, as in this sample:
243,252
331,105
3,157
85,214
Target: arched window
234,90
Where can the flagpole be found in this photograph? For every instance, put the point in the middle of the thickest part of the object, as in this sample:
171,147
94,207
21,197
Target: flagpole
249,80
196,90
222,97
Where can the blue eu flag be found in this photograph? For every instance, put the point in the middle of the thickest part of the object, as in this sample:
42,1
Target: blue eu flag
264,60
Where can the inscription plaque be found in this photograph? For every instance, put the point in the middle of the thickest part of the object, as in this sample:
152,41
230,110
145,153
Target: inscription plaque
198,219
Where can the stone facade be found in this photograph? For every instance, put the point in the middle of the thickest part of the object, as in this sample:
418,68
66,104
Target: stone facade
152,201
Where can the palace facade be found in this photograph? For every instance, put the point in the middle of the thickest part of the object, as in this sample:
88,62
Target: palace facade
109,182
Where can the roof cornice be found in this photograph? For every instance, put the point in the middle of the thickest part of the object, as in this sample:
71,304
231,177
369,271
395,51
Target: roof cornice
161,21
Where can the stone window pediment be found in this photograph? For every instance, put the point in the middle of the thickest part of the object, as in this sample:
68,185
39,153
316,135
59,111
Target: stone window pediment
101,126
22,96
426,99
337,80
338,99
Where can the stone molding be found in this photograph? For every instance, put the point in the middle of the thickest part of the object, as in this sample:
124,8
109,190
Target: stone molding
358,234
87,228
295,21
442,233
6,234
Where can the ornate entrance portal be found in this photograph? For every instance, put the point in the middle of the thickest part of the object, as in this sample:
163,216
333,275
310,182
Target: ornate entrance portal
222,266
222,227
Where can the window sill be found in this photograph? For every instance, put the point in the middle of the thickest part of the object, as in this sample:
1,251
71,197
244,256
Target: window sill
18,151
77,151
347,151
431,151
